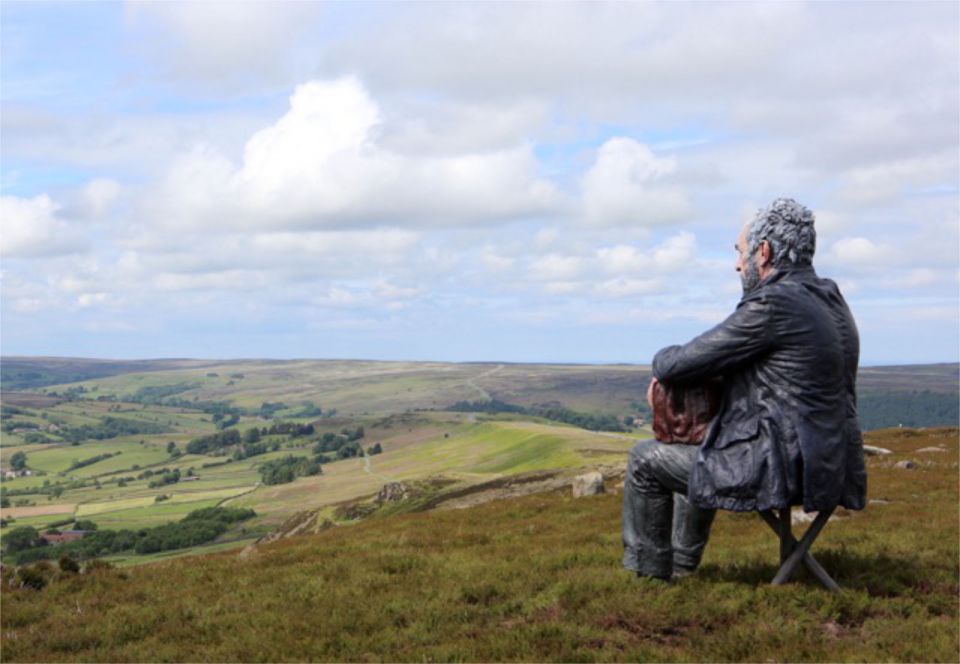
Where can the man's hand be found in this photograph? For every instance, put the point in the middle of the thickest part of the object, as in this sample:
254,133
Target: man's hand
653,381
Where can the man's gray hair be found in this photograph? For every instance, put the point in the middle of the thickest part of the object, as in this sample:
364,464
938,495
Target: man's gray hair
788,227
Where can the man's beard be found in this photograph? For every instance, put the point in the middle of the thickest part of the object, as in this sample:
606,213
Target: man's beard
750,275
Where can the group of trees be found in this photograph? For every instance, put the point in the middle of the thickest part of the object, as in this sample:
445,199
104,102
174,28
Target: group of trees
491,406
12,425
163,479
18,461
287,469
880,410
197,527
555,412
155,394
308,409
344,445
248,444
224,422
111,427
83,463
292,429
25,544
213,442
590,421
246,450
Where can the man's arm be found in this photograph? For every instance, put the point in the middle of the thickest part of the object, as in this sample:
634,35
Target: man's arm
745,335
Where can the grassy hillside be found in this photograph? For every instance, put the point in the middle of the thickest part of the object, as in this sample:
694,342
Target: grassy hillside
530,579
93,447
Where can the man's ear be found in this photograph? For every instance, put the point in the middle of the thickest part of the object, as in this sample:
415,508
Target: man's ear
766,254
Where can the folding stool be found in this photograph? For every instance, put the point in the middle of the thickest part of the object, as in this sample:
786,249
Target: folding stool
793,552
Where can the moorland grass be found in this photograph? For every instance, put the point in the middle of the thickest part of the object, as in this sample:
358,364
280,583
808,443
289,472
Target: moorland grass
530,579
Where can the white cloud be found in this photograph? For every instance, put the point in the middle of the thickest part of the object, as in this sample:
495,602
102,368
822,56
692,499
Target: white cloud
99,195
860,252
420,127
388,291
27,305
494,262
91,299
375,246
219,43
920,277
624,287
322,166
226,280
676,252
339,297
31,228
555,267
624,187
885,181
562,287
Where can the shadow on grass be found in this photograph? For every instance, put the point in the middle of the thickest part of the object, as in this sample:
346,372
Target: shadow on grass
877,574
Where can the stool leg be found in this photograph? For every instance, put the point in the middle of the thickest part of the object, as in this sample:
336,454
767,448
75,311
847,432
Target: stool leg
786,535
815,568
800,551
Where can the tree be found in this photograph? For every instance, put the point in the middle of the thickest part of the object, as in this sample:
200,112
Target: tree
68,564
18,461
22,538
251,436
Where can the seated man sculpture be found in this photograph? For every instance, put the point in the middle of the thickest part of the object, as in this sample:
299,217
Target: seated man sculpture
785,431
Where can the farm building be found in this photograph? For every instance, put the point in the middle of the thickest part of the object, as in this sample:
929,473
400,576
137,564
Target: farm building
64,536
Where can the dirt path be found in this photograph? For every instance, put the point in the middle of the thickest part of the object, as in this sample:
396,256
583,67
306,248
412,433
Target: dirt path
484,395
369,470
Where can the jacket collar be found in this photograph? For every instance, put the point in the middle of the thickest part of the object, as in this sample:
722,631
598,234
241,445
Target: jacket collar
795,271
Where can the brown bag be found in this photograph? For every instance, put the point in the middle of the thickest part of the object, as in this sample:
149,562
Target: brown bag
681,414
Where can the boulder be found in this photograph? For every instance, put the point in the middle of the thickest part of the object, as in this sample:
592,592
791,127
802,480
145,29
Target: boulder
799,517
927,450
906,464
872,450
392,492
589,484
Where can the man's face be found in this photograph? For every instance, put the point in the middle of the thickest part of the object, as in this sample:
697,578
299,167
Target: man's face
746,264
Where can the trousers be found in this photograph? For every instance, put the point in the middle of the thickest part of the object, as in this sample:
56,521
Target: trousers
663,532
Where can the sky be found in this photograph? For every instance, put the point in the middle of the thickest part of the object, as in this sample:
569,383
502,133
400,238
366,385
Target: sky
522,182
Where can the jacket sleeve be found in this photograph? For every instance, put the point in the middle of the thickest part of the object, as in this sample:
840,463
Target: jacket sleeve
745,335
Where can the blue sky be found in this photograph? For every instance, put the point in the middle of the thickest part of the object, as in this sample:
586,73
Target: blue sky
465,181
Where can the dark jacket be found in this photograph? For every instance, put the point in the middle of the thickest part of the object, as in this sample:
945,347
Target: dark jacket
787,431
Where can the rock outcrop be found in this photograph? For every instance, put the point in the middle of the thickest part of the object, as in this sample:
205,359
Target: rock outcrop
589,484
392,492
